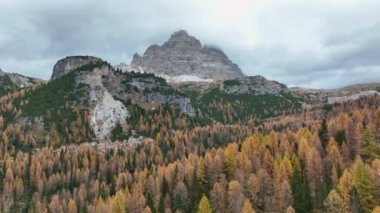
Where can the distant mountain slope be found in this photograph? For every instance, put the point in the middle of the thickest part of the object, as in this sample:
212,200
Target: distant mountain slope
94,101
183,55
328,96
12,81
245,99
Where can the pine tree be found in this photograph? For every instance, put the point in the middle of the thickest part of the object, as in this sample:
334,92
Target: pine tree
301,193
150,202
323,133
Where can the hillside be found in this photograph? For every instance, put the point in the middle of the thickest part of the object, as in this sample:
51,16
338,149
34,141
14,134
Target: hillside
93,101
11,81
323,158
102,138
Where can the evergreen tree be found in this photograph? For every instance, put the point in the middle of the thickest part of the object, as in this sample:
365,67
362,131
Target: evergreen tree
150,202
301,193
324,133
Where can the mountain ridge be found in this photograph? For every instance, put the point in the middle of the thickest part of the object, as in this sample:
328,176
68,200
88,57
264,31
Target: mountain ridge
183,54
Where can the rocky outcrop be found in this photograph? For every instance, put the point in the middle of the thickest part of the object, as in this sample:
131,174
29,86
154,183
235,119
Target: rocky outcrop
70,63
105,111
183,103
146,89
21,81
184,55
254,85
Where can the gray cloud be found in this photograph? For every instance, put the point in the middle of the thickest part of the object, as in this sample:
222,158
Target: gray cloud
320,43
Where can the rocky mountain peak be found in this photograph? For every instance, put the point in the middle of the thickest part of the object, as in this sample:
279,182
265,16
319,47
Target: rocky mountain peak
70,63
181,39
184,55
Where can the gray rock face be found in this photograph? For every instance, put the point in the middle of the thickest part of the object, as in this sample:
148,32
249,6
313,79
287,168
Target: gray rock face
183,103
184,55
70,63
255,85
145,88
20,80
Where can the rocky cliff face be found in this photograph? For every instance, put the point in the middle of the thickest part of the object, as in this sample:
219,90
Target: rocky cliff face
145,89
70,63
105,111
184,55
254,85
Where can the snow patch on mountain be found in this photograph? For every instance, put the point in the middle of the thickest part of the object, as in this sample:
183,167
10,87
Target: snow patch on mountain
184,78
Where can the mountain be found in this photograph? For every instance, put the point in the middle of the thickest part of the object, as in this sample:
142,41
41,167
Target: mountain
107,103
110,103
242,100
183,58
100,126
70,63
12,81
102,138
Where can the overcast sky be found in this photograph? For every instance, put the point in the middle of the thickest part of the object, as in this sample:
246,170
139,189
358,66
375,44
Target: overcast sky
314,43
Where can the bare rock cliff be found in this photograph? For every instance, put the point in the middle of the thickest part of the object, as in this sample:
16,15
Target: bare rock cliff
183,55
70,63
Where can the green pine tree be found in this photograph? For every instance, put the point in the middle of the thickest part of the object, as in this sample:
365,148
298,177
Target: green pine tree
364,185
301,193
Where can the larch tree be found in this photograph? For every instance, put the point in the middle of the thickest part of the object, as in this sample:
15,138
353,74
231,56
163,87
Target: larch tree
218,197
344,188
204,205
334,203
285,195
376,209
247,207
314,170
364,185
290,209
235,196
72,207
370,149
117,203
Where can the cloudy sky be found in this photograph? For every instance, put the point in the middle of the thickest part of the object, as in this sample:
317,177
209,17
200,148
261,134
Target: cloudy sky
314,43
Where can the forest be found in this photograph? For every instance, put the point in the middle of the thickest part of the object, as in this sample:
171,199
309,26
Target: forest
321,159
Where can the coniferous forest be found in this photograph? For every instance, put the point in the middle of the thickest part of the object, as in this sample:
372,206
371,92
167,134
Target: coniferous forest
178,106
323,159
